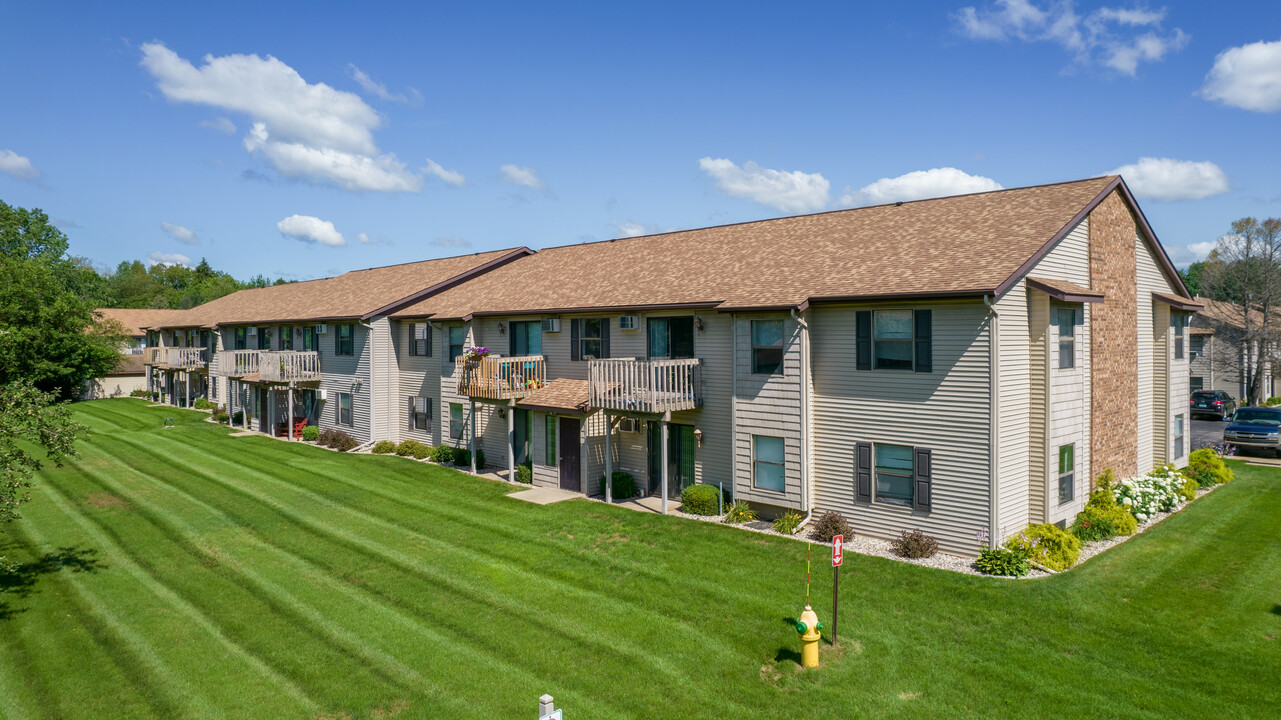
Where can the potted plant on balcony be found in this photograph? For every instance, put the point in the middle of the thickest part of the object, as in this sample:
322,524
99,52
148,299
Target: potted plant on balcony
477,354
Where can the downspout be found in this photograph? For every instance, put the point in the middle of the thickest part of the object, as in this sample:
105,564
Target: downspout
805,418
733,404
373,406
994,382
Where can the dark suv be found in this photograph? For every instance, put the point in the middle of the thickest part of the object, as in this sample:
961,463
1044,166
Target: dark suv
1212,402
1257,428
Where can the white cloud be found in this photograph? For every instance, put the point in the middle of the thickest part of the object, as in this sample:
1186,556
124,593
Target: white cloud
1166,179
11,163
183,235
919,185
1248,77
304,130
364,239
159,258
219,124
452,178
630,229
374,87
1202,249
451,242
525,176
311,229
1119,38
793,191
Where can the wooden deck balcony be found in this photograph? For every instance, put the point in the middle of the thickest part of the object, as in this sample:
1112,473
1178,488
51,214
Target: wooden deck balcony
237,363
154,356
646,386
500,378
187,358
289,366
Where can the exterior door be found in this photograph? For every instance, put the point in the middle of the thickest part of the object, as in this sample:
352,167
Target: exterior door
260,410
680,458
521,434
568,455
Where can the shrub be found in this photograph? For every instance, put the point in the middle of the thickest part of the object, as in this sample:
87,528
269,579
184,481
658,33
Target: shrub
1207,467
740,512
382,447
443,454
221,416
914,544
326,437
311,433
1097,522
1047,545
1273,401
462,457
830,525
700,499
787,523
1002,561
1188,490
203,404
409,448
342,442
525,472
238,417
1145,496
140,392
623,486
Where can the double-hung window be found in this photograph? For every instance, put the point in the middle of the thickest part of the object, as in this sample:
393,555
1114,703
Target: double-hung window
1067,473
1067,337
457,341
419,413
344,409
551,441
240,340
590,345
343,342
892,339
419,339
767,347
1178,321
287,337
1178,436
769,463
894,474
310,341
456,421
264,338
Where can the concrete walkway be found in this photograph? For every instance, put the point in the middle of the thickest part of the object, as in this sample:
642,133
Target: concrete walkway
648,504
545,495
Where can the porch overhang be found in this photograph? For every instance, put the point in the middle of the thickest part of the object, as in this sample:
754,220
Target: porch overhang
1064,291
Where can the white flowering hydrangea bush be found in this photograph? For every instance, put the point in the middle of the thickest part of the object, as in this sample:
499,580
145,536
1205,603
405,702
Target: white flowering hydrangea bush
1158,491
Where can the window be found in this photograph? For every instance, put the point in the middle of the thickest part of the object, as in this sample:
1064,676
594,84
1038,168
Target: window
310,341
344,409
1178,321
1196,383
767,347
590,338
420,339
526,338
1178,436
456,421
241,341
204,340
551,441
343,344
892,339
457,340
1196,345
419,413
264,338
768,463
287,337
1067,338
192,336
1067,473
894,474
671,337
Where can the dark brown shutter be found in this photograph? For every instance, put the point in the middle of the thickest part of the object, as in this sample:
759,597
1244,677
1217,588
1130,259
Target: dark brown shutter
575,352
863,471
429,340
921,485
924,341
863,340
604,337
428,404
338,339
413,339
411,412
511,339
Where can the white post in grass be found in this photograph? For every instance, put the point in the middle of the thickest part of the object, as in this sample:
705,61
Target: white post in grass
244,411
546,705
663,440
471,437
609,461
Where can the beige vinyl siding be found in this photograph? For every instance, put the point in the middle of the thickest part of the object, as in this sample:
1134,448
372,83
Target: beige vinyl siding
339,373
1040,337
1015,436
768,405
385,381
1068,400
1179,393
419,376
1162,416
946,411
1154,417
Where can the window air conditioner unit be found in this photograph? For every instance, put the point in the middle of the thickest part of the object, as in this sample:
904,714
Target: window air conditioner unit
627,425
322,328
322,393
628,322
253,332
551,325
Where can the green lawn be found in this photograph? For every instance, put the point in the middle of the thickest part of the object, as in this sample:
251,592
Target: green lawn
182,573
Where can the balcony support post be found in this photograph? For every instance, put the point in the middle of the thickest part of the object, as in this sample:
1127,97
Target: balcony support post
663,440
609,459
271,411
187,400
511,442
289,414
244,414
471,436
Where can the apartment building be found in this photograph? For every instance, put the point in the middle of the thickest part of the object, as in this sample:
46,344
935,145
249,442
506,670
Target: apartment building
130,373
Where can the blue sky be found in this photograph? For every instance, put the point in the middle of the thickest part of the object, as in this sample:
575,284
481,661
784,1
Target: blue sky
308,140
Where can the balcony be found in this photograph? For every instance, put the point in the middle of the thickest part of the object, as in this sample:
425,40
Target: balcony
500,378
646,386
186,358
237,363
154,356
287,366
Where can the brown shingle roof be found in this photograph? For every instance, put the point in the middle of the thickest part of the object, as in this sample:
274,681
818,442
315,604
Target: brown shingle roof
1226,313
356,294
563,395
1064,290
1177,301
135,319
953,246
129,365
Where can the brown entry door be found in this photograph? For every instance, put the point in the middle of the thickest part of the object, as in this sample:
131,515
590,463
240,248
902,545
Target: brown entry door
569,454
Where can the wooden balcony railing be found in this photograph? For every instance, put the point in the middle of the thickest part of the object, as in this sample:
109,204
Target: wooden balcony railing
237,363
154,356
500,378
645,386
187,358
289,366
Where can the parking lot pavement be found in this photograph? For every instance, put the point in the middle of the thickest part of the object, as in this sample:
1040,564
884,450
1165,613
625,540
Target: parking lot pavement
1207,432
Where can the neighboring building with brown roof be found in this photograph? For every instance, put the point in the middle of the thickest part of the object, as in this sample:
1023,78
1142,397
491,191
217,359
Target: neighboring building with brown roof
130,373
136,321
1223,358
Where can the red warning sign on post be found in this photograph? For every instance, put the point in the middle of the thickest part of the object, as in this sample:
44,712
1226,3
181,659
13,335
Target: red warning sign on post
838,547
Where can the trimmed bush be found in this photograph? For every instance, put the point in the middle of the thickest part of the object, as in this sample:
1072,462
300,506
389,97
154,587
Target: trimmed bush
1047,545
382,447
1002,561
914,544
1188,490
342,442
221,416
443,454
238,417
140,392
462,458
1273,401
525,472
326,437
700,499
787,523
739,512
1102,517
311,433
623,486
409,448
203,404
830,525
1207,468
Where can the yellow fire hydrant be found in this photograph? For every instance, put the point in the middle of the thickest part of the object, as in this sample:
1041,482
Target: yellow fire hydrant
808,626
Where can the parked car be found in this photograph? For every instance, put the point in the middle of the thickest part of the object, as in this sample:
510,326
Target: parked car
1212,402
1257,428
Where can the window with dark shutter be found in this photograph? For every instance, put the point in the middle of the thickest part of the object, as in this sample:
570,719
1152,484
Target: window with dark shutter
420,339
924,341
413,346
574,333
604,339
863,472
921,472
863,343
411,413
